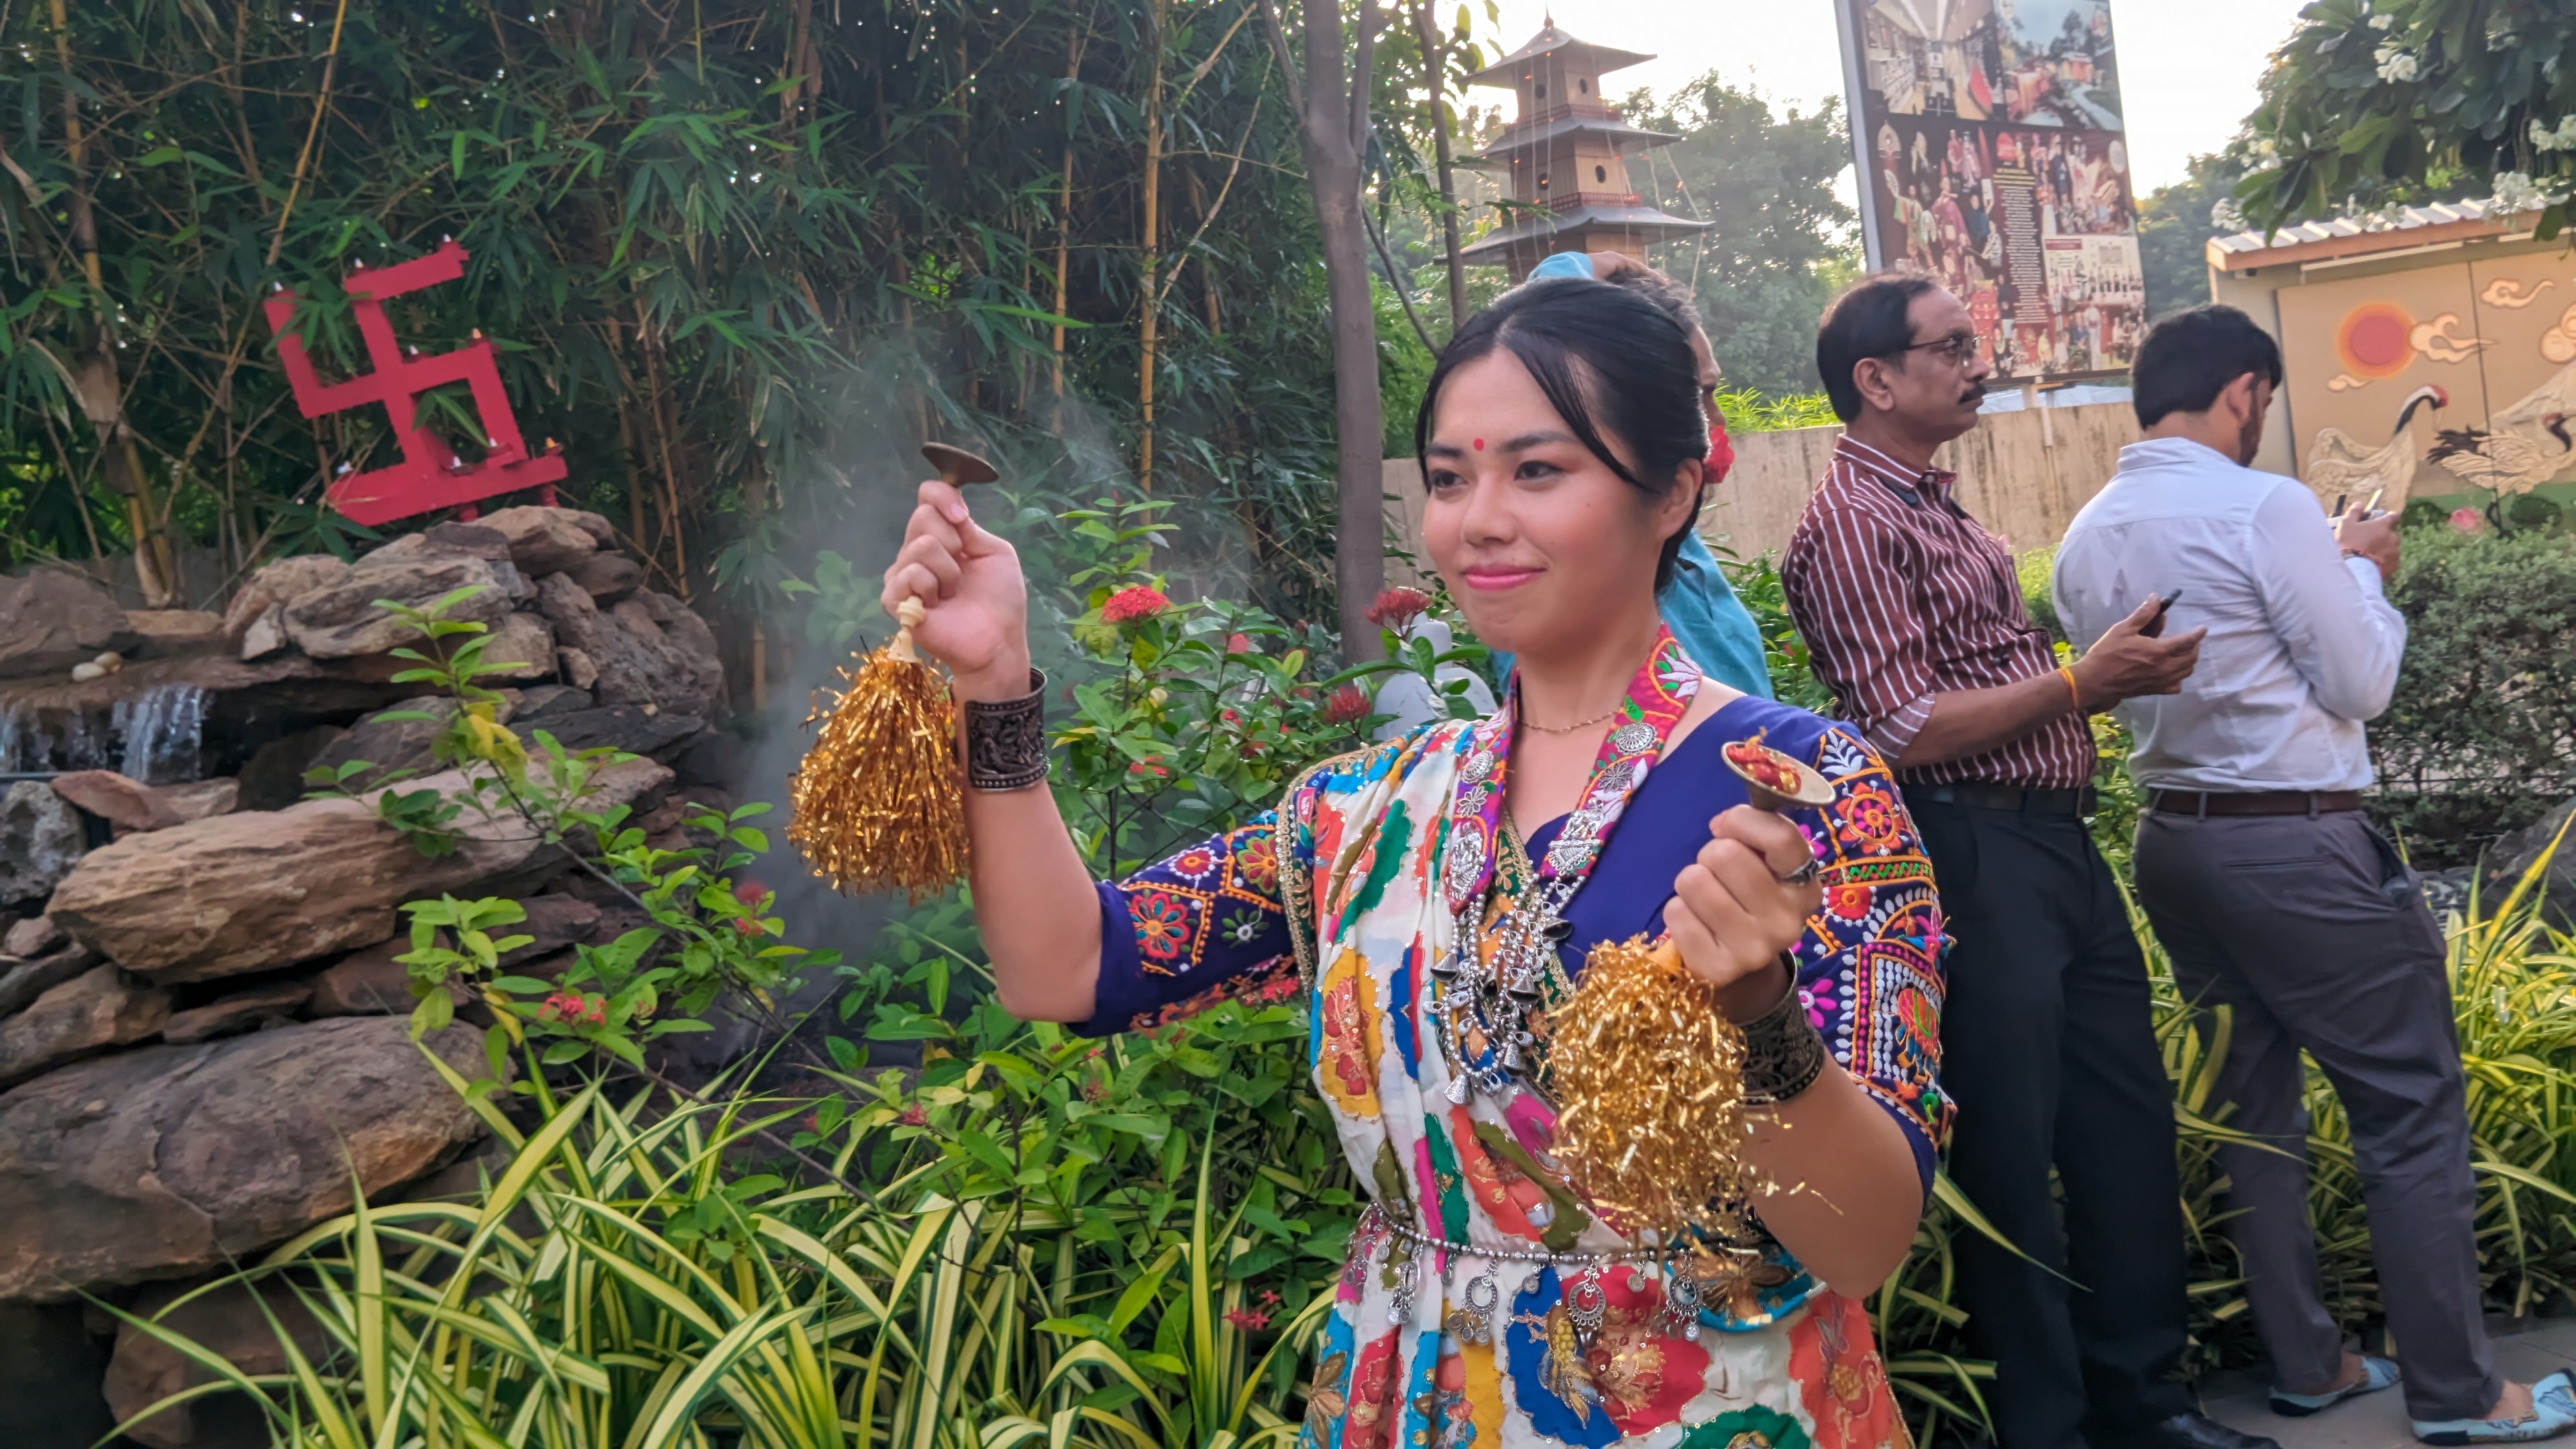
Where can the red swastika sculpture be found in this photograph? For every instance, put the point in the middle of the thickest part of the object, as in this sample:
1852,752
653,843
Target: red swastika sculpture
430,474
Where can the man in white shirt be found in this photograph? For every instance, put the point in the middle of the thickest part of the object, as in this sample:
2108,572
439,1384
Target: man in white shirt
2271,892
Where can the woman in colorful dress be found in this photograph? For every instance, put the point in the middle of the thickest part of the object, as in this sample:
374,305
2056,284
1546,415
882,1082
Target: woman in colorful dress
1432,897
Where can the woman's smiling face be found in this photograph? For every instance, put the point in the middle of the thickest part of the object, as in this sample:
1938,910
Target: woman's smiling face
1541,544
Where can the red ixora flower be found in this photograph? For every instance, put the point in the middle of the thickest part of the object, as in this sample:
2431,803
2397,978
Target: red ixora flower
1150,765
1128,605
1238,644
1396,608
571,1007
753,896
914,1116
1247,1319
1346,705
2468,520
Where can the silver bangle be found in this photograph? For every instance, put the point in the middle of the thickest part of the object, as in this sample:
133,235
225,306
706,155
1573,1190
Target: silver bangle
1006,746
1783,1054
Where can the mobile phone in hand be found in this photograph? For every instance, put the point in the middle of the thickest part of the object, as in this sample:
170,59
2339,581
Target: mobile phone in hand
2154,628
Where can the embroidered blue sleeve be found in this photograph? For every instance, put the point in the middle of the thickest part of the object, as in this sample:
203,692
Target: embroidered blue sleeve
1186,933
1870,967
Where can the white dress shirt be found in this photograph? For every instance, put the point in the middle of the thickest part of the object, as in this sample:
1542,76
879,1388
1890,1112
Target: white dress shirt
2302,647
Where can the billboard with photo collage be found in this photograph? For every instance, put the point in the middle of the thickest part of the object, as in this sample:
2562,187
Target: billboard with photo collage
1988,141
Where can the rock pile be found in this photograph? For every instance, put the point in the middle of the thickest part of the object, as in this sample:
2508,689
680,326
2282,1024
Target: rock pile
202,1039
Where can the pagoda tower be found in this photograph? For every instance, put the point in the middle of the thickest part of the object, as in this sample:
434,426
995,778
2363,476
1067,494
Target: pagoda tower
1566,154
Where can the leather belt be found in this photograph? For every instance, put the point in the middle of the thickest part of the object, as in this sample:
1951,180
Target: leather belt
2253,802
2026,800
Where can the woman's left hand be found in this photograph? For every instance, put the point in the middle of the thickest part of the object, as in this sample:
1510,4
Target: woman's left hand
1734,910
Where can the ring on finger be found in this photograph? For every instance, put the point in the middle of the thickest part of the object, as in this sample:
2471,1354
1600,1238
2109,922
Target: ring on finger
1802,874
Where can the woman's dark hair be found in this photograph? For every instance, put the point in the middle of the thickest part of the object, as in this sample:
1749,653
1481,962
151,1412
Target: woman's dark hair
2189,358
1612,363
1867,319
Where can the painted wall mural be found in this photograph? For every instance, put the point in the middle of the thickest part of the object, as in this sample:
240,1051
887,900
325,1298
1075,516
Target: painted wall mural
1991,156
2453,385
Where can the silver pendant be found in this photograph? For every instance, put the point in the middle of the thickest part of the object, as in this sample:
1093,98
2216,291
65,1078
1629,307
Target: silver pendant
1400,1307
1585,1304
1679,1316
1633,738
1567,856
1473,1320
1466,862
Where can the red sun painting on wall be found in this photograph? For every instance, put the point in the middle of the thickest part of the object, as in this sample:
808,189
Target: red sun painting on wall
2373,342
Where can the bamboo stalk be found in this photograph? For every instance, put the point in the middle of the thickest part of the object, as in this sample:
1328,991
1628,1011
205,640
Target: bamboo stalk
663,426
1207,267
1064,228
101,387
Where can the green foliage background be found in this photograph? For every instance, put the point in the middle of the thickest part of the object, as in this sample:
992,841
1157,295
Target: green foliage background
2374,102
737,256
2480,737
1779,242
2174,228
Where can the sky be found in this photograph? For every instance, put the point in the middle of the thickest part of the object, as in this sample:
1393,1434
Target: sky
2187,67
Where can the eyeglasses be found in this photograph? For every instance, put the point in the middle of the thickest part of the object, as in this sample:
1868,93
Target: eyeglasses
1954,349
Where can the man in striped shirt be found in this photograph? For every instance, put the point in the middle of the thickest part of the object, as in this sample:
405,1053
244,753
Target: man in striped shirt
1914,617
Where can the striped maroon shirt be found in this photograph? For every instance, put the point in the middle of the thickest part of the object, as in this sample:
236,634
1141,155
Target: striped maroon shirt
1902,596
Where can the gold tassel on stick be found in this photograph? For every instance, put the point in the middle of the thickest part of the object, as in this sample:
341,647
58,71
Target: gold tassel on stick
1648,1072
1648,1077
877,803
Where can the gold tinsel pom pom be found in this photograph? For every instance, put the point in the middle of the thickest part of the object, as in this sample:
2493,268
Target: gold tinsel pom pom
1647,1074
877,802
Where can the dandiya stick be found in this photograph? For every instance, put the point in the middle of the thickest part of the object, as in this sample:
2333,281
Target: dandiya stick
876,803
1648,1072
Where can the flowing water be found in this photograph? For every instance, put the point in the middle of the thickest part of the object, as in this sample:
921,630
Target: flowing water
162,728
154,735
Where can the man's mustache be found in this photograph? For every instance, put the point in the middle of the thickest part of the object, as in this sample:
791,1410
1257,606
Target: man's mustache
1974,393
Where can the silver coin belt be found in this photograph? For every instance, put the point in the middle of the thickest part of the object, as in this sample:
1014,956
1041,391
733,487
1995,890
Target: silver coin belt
1477,1318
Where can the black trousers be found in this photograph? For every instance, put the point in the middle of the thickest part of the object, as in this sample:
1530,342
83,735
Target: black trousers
2048,1050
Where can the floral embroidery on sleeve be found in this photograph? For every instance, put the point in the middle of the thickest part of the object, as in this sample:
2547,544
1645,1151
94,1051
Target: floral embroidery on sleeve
1200,909
1870,967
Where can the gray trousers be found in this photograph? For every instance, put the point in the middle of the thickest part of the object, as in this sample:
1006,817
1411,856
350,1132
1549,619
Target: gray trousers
2312,931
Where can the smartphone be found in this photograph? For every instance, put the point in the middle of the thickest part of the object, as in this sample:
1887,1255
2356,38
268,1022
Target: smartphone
2155,625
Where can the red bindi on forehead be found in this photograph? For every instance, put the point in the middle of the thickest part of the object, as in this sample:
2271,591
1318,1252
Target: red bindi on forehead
1480,445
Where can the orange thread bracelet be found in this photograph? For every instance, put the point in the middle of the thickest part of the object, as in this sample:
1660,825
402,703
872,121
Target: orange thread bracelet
2074,696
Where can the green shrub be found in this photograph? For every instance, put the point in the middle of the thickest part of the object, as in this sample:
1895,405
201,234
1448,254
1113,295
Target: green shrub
1756,582
1129,1244
2481,736
1750,410
2032,568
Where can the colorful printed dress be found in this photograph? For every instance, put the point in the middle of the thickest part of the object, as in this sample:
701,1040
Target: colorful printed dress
1461,1315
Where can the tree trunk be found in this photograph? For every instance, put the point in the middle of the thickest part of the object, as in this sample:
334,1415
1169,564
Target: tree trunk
1149,242
1359,554
1432,65
1333,116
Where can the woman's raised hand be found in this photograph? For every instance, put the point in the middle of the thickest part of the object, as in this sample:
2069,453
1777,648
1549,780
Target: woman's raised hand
1735,909
975,599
